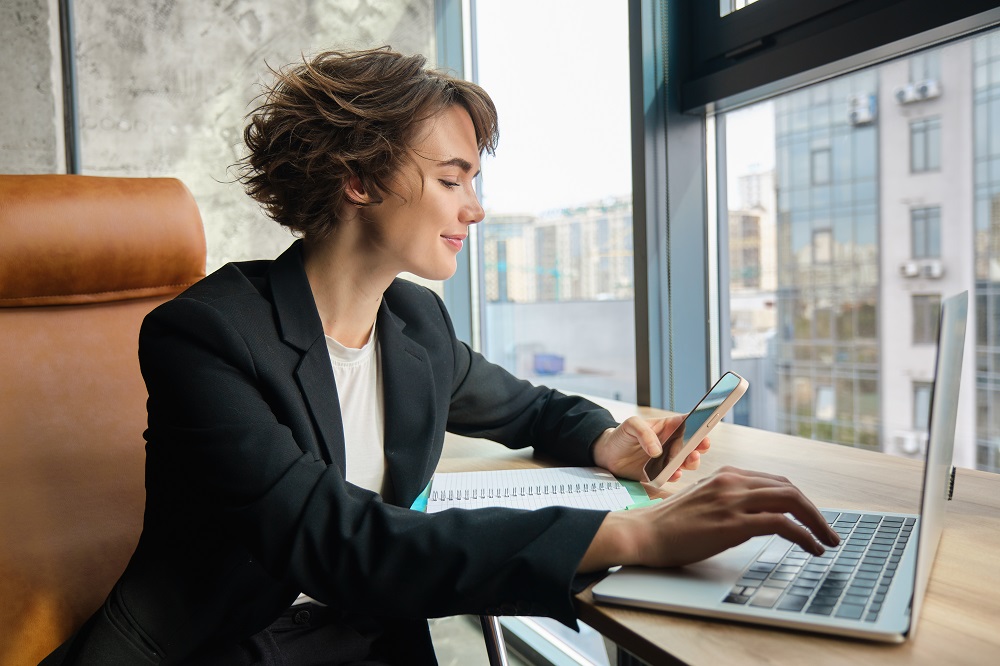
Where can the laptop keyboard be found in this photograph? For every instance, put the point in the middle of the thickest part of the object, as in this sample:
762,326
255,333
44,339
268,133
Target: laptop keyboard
849,581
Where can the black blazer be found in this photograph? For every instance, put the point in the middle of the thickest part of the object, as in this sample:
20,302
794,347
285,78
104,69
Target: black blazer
246,502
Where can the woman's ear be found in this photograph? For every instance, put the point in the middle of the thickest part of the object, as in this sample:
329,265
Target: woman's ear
355,192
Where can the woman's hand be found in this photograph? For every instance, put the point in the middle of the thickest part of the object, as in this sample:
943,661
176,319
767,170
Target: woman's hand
625,450
719,512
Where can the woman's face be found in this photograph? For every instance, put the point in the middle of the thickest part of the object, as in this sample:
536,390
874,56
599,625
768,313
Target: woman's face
423,230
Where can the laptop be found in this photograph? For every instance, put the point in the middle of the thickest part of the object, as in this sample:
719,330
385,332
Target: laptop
871,586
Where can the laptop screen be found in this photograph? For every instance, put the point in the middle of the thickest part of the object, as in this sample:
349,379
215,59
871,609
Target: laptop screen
941,441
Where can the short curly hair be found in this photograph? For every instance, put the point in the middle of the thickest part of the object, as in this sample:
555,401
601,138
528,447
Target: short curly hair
344,114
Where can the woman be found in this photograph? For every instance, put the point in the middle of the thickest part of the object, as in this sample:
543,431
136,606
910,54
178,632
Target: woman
297,407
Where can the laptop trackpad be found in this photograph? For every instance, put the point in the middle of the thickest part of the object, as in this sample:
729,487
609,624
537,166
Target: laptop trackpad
703,582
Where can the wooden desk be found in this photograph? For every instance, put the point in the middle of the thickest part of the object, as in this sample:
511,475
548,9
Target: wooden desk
960,621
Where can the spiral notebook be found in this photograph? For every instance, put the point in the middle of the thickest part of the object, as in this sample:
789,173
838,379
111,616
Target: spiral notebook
579,487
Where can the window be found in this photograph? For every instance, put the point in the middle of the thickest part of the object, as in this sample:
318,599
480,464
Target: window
825,408
555,250
820,166
926,312
925,145
925,66
857,256
925,232
822,246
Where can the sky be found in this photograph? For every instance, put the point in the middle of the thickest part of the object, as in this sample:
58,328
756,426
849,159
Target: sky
558,72
749,144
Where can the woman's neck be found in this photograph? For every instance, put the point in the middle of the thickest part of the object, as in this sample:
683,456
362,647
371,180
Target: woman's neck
346,285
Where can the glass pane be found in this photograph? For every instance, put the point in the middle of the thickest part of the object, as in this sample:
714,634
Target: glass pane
933,232
555,251
864,233
918,229
918,147
921,405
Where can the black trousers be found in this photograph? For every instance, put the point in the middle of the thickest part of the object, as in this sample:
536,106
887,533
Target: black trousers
304,635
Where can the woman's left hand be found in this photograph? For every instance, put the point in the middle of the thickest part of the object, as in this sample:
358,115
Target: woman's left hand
625,450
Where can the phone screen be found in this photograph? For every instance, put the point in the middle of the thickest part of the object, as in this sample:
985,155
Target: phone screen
680,438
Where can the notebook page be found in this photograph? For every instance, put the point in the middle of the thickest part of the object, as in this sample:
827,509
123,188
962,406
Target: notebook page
579,487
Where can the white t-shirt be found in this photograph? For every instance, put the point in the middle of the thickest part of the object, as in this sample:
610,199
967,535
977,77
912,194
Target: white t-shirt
359,386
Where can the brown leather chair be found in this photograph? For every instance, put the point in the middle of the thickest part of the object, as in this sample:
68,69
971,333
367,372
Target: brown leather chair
82,260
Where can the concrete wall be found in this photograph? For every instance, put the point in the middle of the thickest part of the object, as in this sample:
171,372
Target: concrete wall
30,101
163,88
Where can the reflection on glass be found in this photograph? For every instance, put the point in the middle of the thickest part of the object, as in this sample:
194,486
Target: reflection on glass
845,192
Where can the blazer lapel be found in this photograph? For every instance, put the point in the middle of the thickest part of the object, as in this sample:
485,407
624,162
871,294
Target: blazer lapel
300,327
410,423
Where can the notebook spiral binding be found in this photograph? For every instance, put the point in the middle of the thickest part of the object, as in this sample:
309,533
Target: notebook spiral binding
524,491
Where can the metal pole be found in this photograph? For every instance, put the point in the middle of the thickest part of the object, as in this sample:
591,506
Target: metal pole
493,634
69,86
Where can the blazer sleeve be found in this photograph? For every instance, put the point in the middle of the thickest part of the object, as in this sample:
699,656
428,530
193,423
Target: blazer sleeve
222,469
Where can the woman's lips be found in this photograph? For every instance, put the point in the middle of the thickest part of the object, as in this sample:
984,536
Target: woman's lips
454,241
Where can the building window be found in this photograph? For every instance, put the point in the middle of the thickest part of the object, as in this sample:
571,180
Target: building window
925,145
825,403
925,232
921,406
822,246
926,312
821,166
925,66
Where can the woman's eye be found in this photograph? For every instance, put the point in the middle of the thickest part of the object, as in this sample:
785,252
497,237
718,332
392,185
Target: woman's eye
448,183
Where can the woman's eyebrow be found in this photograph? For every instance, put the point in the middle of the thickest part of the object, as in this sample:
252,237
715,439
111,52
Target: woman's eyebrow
464,165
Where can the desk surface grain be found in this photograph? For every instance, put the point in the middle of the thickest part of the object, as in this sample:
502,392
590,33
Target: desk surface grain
960,621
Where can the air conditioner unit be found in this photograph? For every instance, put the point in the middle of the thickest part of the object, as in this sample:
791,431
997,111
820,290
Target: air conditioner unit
909,269
928,89
907,94
910,443
932,269
905,442
861,109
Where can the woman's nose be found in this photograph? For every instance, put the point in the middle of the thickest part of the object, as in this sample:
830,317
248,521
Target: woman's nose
474,210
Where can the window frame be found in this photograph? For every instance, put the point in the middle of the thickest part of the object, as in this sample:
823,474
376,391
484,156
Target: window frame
454,22
773,46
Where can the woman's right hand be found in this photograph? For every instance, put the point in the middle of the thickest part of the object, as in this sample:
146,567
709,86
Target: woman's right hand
719,512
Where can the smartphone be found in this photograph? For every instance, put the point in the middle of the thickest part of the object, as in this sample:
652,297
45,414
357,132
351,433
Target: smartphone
695,426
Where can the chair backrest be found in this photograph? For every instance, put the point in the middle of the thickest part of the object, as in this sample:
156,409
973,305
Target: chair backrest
82,260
